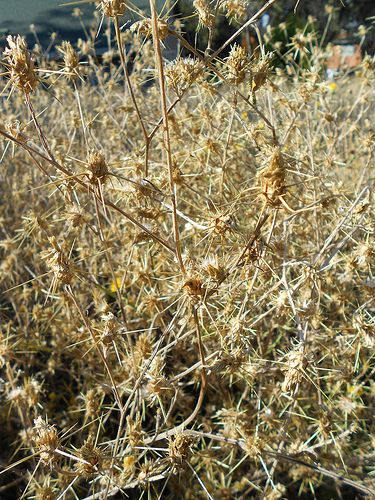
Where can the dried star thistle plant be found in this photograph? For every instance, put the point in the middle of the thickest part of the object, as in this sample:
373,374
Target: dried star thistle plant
206,354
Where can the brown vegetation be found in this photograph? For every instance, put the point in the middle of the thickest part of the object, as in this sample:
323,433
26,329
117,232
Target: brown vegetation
187,272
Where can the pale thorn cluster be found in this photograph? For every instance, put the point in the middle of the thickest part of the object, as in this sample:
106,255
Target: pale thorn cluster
206,16
237,65
97,167
46,442
236,9
71,59
22,68
112,8
297,364
58,262
182,73
144,27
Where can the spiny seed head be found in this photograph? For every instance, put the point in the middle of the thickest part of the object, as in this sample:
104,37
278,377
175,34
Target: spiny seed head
215,270
157,387
33,390
144,27
71,59
325,421
46,442
272,177
223,222
300,41
110,330
74,216
254,446
58,262
112,8
368,63
194,289
182,73
260,72
237,65
22,72
297,363
189,261
329,9
92,403
179,450
281,301
205,13
236,9
45,493
178,178
97,167
93,457
366,330
364,254
310,274
134,431
144,345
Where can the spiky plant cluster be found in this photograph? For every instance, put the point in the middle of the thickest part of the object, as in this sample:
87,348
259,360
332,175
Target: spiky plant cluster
22,67
205,11
187,271
144,27
112,8
182,73
71,59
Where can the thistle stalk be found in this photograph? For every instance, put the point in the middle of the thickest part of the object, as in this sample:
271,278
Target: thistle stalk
167,143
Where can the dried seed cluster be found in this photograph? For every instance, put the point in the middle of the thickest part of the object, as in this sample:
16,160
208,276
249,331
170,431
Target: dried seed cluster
59,263
112,8
220,329
144,28
22,67
71,59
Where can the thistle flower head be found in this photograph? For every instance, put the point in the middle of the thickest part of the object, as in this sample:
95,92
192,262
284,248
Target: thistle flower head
182,73
144,27
71,60
112,8
272,177
58,262
46,442
179,450
237,65
93,459
22,72
205,13
97,167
